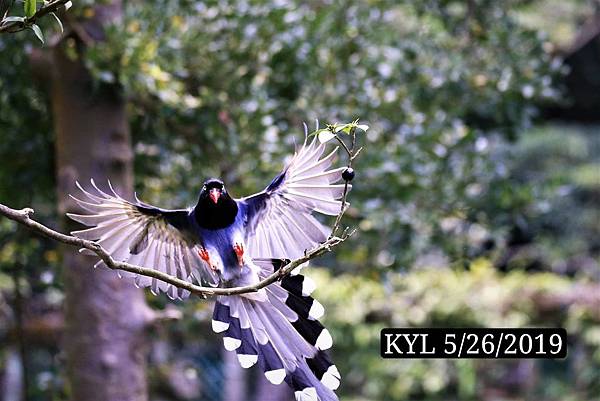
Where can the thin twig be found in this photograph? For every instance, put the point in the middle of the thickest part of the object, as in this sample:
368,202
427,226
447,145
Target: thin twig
341,142
351,156
338,218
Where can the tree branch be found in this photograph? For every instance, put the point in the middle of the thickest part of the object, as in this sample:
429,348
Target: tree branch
352,154
17,25
23,217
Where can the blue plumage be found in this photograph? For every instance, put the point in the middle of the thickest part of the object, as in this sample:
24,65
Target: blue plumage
236,242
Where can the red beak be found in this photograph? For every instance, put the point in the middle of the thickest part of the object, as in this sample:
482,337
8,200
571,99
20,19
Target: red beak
214,194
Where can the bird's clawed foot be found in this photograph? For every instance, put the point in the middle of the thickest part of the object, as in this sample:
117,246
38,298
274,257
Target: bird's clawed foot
239,251
206,257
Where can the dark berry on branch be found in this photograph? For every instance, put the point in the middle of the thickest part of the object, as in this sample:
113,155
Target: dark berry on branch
348,174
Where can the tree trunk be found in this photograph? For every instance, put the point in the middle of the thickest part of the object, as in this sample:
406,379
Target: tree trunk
105,316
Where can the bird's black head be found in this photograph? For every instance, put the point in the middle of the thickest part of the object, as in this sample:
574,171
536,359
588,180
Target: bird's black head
216,208
212,189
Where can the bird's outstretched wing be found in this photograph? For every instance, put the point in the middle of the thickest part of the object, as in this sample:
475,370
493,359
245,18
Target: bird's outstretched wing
279,220
144,235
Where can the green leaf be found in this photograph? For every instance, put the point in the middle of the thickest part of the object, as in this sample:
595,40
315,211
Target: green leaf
346,128
60,25
338,128
38,32
30,7
317,132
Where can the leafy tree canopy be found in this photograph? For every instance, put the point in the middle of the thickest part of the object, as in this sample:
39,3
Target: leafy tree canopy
221,88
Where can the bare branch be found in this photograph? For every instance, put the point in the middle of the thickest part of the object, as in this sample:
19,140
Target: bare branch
341,142
352,154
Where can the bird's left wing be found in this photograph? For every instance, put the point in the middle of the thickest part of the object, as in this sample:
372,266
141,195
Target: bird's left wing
144,235
279,220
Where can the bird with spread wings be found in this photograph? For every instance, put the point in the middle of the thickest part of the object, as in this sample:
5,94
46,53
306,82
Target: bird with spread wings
228,242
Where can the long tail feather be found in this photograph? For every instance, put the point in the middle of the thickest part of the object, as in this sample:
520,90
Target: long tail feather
280,332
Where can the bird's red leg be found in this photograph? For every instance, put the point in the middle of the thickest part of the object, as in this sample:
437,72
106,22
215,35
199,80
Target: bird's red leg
206,257
239,251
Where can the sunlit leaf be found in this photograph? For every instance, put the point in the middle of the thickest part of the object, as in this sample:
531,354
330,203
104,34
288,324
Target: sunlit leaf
318,132
60,25
38,32
13,19
339,128
326,136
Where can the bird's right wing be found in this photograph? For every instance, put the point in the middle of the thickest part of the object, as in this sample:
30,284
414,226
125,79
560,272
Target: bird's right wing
146,236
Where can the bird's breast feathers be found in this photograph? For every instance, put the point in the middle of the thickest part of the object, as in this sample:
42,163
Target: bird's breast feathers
228,251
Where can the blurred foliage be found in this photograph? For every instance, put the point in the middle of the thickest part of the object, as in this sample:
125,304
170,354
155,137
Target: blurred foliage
439,82
358,308
453,170
561,19
561,166
437,88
